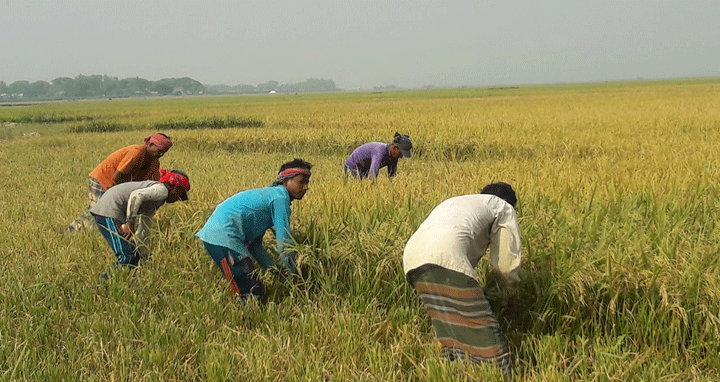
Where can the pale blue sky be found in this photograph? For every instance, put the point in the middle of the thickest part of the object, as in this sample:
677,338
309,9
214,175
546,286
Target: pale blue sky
361,44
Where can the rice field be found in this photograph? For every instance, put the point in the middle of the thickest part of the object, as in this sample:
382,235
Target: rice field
617,197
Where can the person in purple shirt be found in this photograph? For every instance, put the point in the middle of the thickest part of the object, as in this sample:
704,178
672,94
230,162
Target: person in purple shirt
367,160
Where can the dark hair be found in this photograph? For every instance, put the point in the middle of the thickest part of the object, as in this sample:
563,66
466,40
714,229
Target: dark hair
180,172
295,163
502,190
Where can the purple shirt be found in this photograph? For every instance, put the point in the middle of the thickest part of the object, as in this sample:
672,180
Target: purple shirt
367,160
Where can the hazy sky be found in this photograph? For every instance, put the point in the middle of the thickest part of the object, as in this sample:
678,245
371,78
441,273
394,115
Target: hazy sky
361,44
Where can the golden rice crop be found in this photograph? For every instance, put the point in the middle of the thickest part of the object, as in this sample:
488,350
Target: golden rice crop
617,188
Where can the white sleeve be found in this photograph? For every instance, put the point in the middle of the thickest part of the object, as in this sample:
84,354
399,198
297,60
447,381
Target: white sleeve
155,193
505,253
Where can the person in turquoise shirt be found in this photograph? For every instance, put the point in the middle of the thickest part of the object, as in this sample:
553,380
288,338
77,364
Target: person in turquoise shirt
233,234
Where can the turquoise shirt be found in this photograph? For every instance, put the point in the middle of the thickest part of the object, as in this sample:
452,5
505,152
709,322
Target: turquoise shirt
240,222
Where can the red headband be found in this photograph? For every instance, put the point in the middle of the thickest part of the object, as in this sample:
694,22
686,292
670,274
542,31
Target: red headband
174,179
160,141
291,172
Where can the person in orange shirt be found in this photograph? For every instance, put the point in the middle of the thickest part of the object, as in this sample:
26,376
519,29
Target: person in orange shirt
128,164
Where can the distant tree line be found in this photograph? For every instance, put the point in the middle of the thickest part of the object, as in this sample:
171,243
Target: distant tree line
97,86
310,85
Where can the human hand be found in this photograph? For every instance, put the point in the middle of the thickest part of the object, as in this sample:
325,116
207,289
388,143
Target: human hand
510,303
127,231
516,306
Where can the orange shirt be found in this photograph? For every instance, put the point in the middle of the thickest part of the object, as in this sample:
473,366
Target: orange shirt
129,161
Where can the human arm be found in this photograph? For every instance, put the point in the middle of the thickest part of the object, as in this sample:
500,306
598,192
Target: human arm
505,252
154,173
376,159
118,177
155,193
123,172
283,236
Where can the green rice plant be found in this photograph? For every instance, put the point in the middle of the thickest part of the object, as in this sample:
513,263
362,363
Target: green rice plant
100,126
208,123
45,118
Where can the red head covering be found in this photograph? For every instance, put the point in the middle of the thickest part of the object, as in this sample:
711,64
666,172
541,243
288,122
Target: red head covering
176,180
289,173
159,140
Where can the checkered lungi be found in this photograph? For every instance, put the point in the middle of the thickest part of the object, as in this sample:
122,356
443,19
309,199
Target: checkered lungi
86,221
462,318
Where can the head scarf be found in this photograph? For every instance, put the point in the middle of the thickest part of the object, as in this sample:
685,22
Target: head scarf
175,179
289,173
159,140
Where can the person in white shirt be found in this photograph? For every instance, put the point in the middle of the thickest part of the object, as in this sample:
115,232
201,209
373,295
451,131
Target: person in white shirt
439,262
124,213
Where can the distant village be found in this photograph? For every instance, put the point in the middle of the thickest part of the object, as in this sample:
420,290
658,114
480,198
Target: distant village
102,86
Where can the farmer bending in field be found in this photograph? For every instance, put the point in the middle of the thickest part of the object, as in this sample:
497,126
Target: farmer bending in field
124,213
233,235
439,262
367,160
128,164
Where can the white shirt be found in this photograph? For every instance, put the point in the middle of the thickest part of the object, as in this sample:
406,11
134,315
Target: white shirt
458,232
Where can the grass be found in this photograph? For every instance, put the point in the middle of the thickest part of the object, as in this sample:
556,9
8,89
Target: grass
617,188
